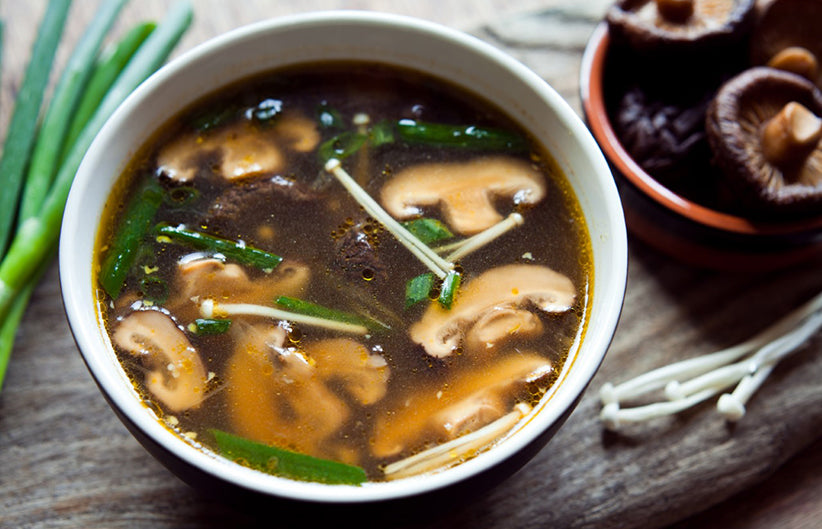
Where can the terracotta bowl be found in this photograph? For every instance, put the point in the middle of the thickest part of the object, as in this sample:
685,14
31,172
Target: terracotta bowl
688,231
350,35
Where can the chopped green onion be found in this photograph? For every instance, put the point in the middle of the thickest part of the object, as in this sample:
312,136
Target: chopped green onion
341,146
312,309
285,463
22,129
235,250
418,288
211,119
464,136
129,237
381,133
109,65
449,289
209,326
154,289
428,230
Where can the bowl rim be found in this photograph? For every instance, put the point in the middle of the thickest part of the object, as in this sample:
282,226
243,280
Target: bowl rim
73,266
592,71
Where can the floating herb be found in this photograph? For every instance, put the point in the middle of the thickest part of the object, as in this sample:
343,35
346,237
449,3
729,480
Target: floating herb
287,464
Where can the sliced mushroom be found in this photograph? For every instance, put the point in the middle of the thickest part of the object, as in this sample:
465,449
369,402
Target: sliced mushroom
177,377
488,308
764,130
202,278
242,150
362,374
786,36
464,190
683,27
473,400
275,394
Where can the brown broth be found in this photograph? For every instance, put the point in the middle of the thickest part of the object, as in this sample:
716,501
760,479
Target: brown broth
307,229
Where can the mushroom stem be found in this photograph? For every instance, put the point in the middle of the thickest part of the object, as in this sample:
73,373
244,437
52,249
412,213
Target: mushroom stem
456,450
715,372
479,240
798,60
209,308
426,255
790,136
675,11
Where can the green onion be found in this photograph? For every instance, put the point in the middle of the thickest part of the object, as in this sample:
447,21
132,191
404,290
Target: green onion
464,136
108,67
449,289
341,146
129,236
381,133
312,309
52,136
418,288
235,250
428,230
209,326
211,119
36,238
154,289
22,128
287,464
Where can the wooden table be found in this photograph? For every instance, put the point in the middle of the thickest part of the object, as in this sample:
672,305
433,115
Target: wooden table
66,461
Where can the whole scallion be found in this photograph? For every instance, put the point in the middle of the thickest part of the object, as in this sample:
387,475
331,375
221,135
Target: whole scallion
36,237
23,125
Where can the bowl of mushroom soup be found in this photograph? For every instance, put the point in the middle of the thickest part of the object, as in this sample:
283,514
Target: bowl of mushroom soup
343,258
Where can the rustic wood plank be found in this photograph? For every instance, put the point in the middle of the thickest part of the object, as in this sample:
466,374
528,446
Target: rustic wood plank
66,461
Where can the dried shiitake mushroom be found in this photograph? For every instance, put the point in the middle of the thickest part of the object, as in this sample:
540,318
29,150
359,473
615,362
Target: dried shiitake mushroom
661,27
786,36
764,129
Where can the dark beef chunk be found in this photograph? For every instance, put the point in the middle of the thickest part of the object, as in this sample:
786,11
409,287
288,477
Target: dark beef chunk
356,251
254,195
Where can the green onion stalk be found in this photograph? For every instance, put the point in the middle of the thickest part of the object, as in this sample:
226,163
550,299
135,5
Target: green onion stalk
37,234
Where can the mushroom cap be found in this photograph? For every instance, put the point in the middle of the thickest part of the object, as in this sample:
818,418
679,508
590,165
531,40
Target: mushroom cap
467,402
496,292
735,121
229,283
177,376
361,373
713,24
275,395
782,24
243,149
465,190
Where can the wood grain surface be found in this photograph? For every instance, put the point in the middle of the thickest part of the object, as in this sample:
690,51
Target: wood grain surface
67,461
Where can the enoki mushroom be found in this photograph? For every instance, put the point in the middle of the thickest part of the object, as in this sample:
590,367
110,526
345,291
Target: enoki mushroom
692,381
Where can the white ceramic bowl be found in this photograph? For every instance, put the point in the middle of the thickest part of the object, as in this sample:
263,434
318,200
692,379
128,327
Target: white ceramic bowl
420,45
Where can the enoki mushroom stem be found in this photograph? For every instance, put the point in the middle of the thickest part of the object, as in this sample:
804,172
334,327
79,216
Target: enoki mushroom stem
479,240
209,309
426,255
457,450
692,381
790,136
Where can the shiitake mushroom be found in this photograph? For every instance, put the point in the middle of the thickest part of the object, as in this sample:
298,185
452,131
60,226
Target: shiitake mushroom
764,130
